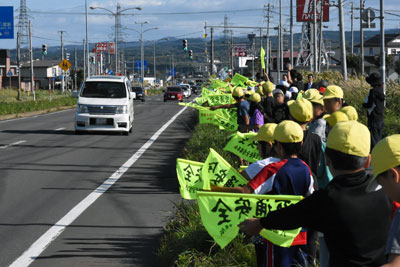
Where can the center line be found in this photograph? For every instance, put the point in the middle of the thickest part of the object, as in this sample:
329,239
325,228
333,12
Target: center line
13,144
45,240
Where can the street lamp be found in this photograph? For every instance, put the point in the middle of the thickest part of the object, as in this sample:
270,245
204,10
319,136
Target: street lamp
154,56
116,16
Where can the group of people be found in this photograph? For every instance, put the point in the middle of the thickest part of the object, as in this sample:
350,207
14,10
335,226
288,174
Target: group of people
312,145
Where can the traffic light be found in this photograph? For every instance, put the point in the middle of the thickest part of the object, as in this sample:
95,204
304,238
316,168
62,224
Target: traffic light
184,45
190,54
67,55
44,49
91,60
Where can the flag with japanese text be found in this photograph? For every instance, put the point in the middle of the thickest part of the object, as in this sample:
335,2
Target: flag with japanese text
239,80
243,145
219,99
190,179
219,172
222,212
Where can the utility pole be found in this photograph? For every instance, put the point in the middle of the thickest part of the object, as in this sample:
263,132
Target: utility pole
141,56
76,69
268,42
321,18
352,28
383,49
84,59
291,32
278,58
31,60
342,40
261,46
62,58
280,36
212,52
19,63
315,37
361,36
233,58
86,56
154,62
173,71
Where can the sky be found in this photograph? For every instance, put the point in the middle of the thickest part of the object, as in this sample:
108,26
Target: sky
51,16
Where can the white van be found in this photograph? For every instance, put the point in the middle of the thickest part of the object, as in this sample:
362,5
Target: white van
105,103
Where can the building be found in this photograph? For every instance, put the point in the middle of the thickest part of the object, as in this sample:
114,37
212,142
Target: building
8,70
45,73
372,46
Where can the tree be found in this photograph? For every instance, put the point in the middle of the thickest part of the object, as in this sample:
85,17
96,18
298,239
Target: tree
397,67
353,62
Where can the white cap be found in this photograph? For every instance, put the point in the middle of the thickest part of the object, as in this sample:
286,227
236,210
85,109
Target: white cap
294,90
288,94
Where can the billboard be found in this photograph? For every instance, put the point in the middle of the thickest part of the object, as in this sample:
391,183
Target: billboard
111,47
101,47
305,10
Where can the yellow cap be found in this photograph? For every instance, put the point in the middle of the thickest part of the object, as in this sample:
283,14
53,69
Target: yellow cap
313,96
238,92
386,154
255,98
268,87
350,137
335,117
333,91
301,110
266,133
351,113
249,92
288,132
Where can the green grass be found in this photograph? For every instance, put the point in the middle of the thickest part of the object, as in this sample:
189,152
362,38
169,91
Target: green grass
9,103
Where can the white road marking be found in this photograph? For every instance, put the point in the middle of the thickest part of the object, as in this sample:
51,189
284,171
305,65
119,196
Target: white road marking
36,116
59,129
13,144
45,240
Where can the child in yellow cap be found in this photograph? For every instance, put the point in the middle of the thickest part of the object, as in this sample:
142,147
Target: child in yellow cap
269,102
385,160
290,176
355,223
318,124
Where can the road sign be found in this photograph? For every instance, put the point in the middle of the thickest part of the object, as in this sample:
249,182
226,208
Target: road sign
239,54
101,47
53,79
172,72
305,12
65,65
368,16
6,22
9,73
138,65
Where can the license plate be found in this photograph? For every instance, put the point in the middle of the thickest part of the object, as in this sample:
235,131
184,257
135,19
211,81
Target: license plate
172,96
101,121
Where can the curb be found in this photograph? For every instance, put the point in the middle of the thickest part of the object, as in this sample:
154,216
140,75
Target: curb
35,113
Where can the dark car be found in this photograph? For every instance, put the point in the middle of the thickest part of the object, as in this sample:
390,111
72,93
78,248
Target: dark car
173,93
140,95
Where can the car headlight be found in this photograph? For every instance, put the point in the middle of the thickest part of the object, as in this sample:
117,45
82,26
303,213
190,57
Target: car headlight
122,109
82,109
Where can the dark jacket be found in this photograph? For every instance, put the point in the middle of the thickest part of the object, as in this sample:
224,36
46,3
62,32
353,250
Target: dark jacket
280,112
311,151
377,97
268,105
355,223
313,85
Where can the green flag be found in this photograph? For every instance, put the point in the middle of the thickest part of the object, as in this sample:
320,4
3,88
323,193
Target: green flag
222,212
215,84
262,56
219,99
219,172
193,105
208,116
225,123
242,145
189,177
239,80
201,100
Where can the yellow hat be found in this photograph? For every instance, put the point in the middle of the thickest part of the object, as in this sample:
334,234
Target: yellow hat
333,91
335,117
350,137
301,110
288,132
313,96
260,90
255,98
238,92
386,154
249,92
266,133
268,87
351,113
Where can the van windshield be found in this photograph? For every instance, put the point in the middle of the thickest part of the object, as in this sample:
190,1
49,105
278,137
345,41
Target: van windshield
104,90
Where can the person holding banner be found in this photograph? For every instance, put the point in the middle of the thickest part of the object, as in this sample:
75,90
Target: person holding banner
256,113
269,101
355,223
290,176
243,108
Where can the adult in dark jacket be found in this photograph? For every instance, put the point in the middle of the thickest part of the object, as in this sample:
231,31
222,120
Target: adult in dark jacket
310,84
375,106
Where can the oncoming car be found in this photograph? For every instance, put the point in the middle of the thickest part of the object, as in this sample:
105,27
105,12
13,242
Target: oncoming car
173,93
105,103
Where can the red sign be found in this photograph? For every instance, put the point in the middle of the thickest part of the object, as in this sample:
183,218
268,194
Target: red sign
239,54
305,12
111,47
240,48
101,47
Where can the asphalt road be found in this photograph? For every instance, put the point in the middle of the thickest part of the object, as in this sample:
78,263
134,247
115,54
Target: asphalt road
46,170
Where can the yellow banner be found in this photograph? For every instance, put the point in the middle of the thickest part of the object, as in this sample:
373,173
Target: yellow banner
222,212
190,179
242,145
